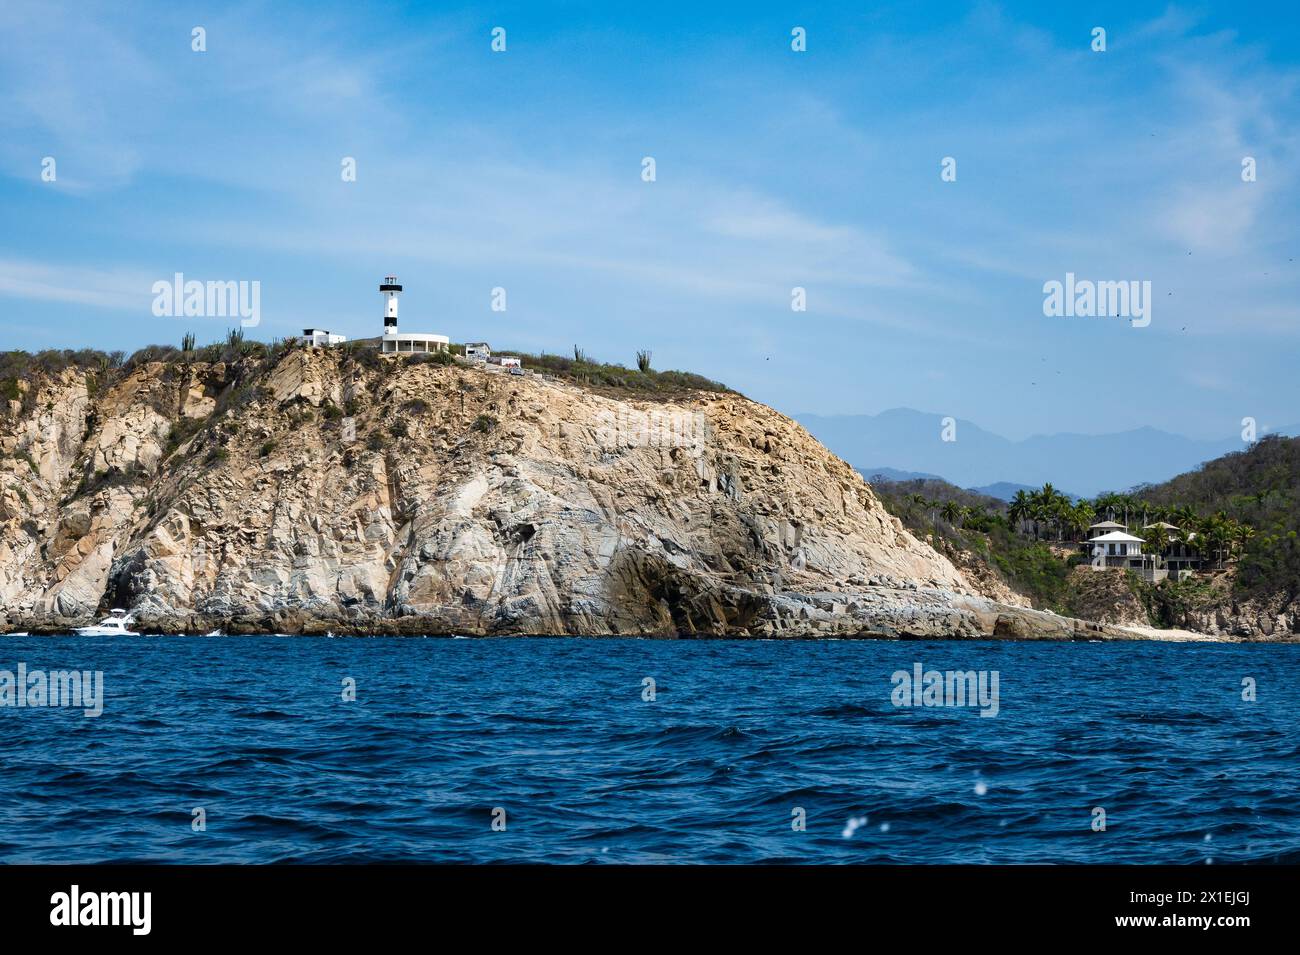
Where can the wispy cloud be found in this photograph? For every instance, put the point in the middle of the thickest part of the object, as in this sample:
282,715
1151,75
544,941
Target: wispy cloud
78,285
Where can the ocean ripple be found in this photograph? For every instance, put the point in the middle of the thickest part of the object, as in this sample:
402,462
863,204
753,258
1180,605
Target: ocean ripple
536,750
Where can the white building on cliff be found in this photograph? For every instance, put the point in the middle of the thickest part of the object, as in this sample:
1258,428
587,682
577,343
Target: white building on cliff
408,342
319,336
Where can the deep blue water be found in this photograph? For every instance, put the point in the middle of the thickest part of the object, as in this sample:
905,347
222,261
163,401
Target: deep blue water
555,732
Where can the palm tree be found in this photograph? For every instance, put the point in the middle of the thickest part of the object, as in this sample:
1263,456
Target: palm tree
1053,508
1243,534
1129,503
1040,507
1081,517
1156,540
1064,516
1216,533
1018,509
951,511
1106,502
1186,536
1037,511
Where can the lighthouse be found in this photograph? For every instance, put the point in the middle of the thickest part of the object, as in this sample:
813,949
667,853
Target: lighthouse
390,290
392,342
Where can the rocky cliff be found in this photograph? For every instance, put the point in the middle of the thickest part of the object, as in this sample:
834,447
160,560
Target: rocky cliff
325,490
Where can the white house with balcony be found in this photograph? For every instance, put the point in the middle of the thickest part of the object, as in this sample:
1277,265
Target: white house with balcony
405,343
1123,550
1118,549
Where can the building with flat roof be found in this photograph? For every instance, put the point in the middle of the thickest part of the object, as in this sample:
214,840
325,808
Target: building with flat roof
319,336
395,342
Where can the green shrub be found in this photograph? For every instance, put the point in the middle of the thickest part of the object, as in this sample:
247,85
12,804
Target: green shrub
615,377
182,431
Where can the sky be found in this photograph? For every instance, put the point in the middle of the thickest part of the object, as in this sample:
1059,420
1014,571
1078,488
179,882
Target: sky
775,169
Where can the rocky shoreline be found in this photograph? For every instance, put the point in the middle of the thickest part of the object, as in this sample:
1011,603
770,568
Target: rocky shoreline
320,491
886,614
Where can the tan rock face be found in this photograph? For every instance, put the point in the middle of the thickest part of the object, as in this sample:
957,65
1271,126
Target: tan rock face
1105,596
453,499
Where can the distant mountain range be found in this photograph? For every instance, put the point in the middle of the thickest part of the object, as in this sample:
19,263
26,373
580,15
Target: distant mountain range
894,474
1005,490
991,464
1002,490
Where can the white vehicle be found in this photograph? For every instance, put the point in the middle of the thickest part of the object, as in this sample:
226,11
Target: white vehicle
114,625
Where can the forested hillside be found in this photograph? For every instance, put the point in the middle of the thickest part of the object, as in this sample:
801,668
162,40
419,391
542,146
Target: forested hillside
1258,488
1239,512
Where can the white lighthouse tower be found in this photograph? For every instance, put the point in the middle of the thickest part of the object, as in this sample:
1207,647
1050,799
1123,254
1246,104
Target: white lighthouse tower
393,342
390,290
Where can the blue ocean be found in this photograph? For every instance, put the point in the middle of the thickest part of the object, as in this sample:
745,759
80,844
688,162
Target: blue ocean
321,750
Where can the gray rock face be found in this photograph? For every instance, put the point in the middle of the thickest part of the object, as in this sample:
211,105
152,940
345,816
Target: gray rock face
454,500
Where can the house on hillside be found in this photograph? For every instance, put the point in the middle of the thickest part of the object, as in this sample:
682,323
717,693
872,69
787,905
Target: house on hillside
1109,544
1178,557
1105,527
1117,549
319,336
1098,530
478,351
